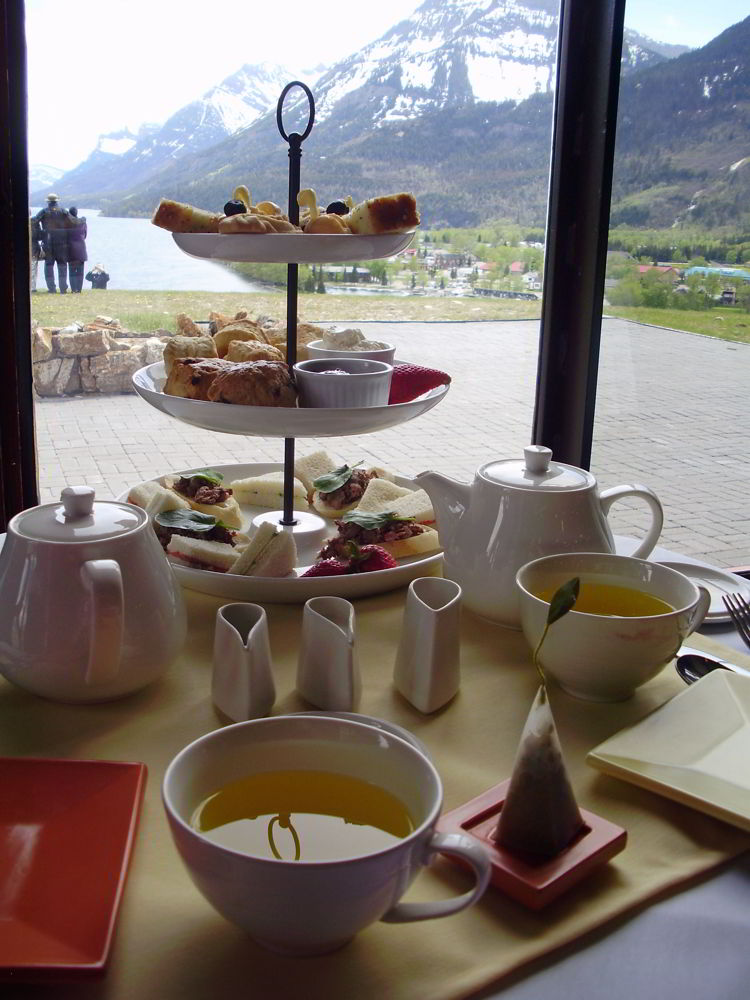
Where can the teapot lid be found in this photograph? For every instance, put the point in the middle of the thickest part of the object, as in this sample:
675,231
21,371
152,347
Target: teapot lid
537,471
77,518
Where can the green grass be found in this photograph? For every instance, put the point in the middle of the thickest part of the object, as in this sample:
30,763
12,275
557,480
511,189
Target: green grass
143,311
723,323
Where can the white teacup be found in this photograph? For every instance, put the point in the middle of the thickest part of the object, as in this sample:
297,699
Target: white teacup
308,907
605,657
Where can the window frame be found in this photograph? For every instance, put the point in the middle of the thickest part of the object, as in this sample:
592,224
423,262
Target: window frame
580,184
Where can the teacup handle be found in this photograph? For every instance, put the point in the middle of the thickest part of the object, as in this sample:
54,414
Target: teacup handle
462,847
701,610
608,497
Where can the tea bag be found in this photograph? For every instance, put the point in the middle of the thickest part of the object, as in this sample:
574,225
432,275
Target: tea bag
540,815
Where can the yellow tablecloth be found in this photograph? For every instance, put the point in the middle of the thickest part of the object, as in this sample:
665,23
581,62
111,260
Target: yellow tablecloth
170,944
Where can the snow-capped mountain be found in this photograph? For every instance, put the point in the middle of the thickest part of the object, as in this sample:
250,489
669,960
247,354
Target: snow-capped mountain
41,175
417,103
122,159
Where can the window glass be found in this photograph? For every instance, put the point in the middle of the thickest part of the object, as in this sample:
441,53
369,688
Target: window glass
671,408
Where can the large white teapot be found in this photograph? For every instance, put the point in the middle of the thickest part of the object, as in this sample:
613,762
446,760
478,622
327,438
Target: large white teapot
90,608
515,511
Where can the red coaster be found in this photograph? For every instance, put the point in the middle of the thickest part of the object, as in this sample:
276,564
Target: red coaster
534,883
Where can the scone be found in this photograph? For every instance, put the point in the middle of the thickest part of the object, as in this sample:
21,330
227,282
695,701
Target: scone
191,378
187,347
252,350
254,383
186,327
238,329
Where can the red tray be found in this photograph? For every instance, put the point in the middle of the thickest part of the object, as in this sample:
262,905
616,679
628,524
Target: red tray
531,882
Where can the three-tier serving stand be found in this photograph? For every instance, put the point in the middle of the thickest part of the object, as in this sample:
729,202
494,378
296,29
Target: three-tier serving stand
290,423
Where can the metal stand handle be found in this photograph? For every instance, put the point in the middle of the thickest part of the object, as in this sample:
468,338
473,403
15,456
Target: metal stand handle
295,141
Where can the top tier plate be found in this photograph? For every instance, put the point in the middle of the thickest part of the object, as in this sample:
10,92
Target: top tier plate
292,248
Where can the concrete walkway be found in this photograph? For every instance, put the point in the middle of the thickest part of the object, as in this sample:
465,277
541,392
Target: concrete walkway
672,413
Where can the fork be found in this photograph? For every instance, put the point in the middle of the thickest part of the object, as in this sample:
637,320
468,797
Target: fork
739,612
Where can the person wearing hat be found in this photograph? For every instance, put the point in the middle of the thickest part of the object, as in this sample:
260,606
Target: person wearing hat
98,277
54,221
76,249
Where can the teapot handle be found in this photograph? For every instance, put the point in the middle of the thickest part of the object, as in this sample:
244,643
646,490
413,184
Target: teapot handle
608,497
103,581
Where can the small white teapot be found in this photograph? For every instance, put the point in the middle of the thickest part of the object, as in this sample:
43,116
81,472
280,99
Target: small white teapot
90,608
515,511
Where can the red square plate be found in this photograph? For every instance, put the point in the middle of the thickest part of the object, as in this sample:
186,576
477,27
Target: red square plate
66,834
530,881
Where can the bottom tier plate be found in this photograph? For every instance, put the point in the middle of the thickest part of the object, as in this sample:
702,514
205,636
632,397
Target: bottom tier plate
295,589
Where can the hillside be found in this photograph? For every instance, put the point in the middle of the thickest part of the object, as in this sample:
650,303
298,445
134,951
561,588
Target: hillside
412,111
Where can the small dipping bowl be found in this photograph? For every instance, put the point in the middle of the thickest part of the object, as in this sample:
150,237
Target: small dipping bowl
315,349
321,384
606,657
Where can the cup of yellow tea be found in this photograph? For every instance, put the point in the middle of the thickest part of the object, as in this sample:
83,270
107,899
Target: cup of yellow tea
629,620
303,830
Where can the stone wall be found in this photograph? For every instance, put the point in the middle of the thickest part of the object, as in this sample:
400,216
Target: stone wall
95,357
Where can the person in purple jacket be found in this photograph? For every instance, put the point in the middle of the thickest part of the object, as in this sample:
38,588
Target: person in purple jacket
76,234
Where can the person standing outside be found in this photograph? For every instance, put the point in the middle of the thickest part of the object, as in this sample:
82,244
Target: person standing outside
76,249
98,277
37,252
54,223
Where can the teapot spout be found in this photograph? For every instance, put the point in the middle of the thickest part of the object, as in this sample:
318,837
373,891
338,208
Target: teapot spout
450,500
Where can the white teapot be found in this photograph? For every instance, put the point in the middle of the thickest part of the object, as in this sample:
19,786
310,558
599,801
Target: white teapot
90,608
515,511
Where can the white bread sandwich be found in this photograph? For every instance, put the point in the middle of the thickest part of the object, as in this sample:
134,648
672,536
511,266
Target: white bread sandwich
266,490
203,491
271,552
216,556
341,490
382,495
402,537
155,499
307,468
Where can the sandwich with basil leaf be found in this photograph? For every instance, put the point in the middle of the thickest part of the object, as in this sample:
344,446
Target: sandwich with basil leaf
204,491
341,489
398,535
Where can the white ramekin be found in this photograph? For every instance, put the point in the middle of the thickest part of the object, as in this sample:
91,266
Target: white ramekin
367,383
315,349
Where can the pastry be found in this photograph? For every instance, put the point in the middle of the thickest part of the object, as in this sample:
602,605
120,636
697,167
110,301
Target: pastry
186,327
247,222
327,224
238,329
187,347
254,383
393,213
177,217
192,377
252,350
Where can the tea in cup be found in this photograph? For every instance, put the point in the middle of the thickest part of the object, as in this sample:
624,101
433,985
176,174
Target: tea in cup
629,620
305,829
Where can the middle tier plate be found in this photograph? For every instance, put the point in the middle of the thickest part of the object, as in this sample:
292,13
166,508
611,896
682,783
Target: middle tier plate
278,421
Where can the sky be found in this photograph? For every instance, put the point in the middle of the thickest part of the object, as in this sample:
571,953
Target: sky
96,68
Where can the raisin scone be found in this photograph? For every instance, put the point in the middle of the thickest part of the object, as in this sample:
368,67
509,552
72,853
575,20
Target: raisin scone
255,383
191,378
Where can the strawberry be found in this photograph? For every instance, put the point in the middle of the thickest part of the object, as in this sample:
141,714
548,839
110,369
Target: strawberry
410,381
329,567
372,557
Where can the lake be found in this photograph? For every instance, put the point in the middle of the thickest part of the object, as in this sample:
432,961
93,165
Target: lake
139,256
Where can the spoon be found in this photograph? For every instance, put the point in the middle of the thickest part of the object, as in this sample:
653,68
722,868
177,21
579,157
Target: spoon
692,664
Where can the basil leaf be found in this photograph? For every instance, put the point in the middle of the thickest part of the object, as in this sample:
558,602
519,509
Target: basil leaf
563,600
191,520
210,476
331,481
369,520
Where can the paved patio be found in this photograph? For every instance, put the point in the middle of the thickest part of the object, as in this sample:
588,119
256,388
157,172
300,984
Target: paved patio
672,413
